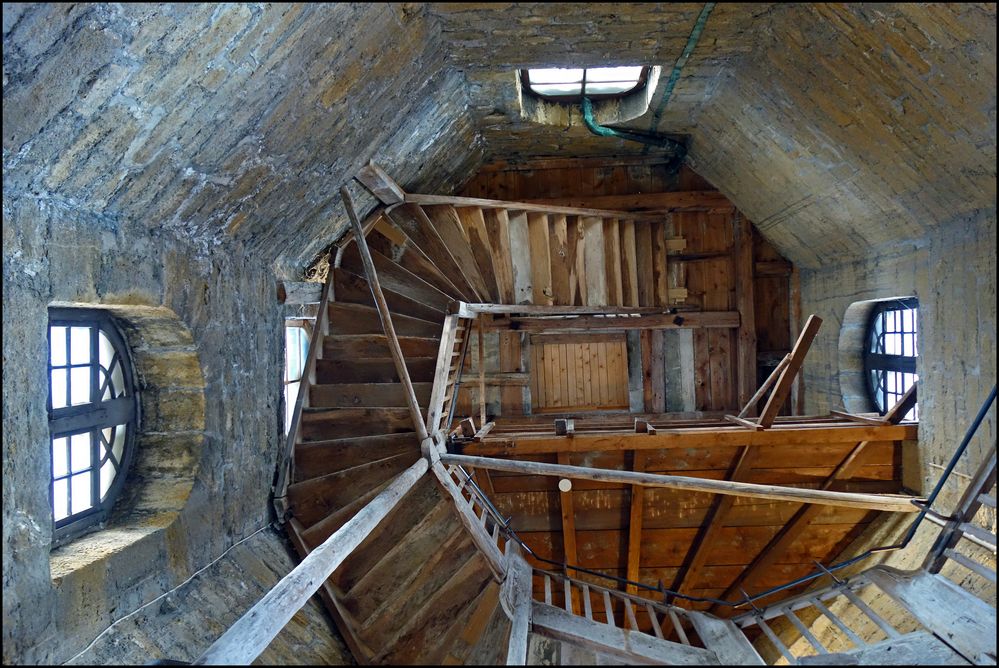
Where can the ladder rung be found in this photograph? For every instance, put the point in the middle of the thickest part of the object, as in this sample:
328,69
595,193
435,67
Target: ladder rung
971,564
977,534
987,500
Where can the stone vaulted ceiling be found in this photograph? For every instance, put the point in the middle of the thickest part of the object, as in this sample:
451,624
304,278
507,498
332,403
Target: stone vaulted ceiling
838,129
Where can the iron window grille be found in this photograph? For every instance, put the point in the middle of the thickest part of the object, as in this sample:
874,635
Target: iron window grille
93,416
891,352
573,84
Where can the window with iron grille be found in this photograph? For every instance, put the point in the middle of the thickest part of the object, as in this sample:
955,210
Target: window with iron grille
891,352
93,414
573,84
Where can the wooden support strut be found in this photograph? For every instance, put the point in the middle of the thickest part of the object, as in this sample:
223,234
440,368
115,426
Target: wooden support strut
386,317
783,386
884,502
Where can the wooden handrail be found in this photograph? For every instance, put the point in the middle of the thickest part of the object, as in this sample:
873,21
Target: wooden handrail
884,502
386,317
253,632
319,331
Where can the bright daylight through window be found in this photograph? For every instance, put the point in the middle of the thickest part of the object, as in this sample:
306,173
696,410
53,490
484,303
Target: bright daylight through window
891,352
567,85
92,416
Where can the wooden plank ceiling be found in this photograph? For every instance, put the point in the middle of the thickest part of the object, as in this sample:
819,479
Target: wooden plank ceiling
689,542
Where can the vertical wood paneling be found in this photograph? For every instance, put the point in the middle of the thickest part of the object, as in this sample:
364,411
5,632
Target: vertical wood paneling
541,269
561,262
582,375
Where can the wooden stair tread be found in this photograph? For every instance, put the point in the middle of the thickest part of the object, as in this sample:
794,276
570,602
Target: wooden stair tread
373,370
419,502
350,287
391,573
323,424
312,500
355,346
349,318
368,395
316,534
323,457
431,622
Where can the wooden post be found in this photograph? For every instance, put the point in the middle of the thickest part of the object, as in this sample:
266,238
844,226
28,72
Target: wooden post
482,372
635,524
798,386
516,597
746,347
884,502
386,318
254,631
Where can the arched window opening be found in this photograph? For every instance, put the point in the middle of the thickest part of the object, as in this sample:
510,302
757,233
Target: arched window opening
573,84
891,351
92,418
296,352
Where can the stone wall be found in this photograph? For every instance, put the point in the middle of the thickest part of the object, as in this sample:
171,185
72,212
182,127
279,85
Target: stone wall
182,624
53,252
953,273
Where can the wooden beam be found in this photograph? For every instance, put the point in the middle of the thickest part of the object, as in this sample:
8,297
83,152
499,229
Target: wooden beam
568,520
783,386
483,541
299,292
470,310
746,339
482,371
668,201
635,525
687,577
386,317
885,502
632,646
802,519
253,632
794,297
750,406
426,200
381,184
590,323
693,437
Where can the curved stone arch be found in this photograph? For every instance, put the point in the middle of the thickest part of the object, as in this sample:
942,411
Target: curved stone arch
852,339
168,443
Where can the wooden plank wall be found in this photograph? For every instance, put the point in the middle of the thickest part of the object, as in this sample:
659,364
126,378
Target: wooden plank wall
706,267
579,373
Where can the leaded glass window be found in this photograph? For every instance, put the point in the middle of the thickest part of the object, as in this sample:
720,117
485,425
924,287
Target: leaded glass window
892,349
92,417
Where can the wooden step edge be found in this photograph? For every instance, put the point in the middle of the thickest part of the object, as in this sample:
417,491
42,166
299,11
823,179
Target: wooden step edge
325,527
405,317
430,516
361,440
300,484
461,577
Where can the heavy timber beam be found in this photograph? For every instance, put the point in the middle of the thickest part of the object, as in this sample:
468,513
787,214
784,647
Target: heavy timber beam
805,515
614,322
695,437
635,525
884,502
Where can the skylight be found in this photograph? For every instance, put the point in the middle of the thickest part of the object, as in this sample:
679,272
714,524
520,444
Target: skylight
566,84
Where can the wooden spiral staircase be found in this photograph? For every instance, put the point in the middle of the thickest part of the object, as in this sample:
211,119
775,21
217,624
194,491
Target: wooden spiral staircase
426,573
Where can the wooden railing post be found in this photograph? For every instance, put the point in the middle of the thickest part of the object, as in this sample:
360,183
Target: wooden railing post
385,316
